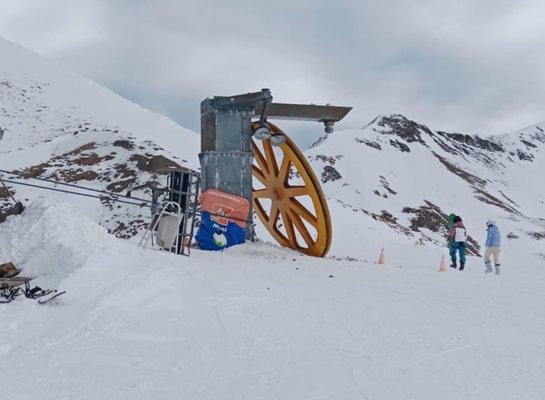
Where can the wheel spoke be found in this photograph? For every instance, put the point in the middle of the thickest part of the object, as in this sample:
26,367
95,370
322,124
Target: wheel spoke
259,175
259,209
300,225
289,226
294,191
273,214
284,171
271,158
258,156
263,193
302,211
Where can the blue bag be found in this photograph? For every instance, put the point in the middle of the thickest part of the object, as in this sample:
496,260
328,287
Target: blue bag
213,235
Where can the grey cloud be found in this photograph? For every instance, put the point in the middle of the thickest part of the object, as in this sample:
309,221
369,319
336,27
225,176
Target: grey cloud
459,66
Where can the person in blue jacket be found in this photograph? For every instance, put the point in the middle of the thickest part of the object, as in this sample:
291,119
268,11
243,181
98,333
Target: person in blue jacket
492,247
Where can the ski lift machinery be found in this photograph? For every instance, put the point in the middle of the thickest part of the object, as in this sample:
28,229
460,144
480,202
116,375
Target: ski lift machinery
242,153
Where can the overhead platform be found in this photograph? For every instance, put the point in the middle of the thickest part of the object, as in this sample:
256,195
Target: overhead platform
305,112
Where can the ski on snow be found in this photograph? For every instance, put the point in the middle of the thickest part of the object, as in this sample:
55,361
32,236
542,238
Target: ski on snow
10,289
48,299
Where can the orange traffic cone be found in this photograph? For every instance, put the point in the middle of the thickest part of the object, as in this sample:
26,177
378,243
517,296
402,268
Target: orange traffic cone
381,258
442,266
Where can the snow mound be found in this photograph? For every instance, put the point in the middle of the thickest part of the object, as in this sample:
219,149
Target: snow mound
50,240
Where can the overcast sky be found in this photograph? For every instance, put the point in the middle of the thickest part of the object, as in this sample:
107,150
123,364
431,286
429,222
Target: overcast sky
475,66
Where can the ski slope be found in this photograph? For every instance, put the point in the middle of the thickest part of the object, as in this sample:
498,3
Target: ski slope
260,322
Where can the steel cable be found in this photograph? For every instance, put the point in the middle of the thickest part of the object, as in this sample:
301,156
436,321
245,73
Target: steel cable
21,175
102,198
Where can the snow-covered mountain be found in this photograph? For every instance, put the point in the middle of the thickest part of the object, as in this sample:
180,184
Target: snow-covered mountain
61,126
397,180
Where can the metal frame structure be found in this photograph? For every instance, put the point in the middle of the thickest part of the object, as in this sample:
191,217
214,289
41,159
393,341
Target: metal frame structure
184,189
227,157
181,192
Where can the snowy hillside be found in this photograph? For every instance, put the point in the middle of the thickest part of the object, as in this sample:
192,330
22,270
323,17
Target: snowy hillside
61,126
259,322
397,180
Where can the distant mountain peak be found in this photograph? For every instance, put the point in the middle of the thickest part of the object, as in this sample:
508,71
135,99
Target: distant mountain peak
398,175
400,126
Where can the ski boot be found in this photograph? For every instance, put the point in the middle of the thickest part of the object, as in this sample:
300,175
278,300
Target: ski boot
488,268
35,292
8,293
453,265
497,269
462,267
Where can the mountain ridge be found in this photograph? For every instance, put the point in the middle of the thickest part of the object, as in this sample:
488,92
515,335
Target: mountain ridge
393,180
438,172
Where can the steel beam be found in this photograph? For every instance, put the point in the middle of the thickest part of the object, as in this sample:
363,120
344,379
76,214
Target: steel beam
305,112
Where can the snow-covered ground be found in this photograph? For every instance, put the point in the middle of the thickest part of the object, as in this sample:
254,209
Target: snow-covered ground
260,322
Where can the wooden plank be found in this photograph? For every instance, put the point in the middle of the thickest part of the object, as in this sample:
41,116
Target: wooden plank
15,281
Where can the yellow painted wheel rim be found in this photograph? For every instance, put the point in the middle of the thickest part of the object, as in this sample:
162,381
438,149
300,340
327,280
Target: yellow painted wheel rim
297,216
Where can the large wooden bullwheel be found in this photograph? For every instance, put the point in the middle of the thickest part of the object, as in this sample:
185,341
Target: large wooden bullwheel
288,198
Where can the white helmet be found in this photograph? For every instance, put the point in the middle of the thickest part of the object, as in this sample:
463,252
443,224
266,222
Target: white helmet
490,222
